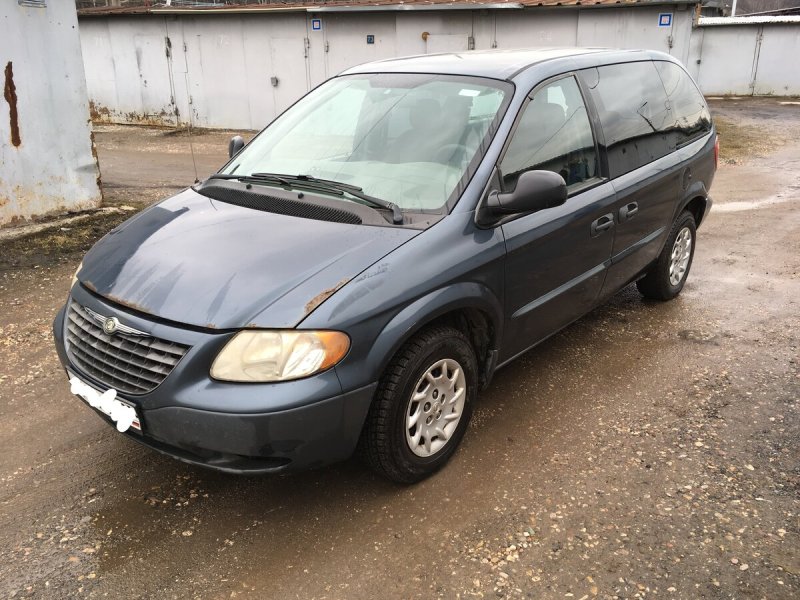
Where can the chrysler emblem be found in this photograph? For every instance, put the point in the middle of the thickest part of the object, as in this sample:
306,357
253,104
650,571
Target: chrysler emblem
111,324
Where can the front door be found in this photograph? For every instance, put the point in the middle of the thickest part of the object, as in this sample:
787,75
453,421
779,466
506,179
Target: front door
556,258
634,110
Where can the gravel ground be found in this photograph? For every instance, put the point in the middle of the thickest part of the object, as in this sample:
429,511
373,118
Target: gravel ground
649,450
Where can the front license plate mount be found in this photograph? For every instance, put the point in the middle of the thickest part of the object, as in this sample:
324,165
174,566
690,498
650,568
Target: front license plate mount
122,413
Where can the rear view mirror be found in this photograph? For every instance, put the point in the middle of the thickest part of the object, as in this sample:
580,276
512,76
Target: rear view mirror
236,144
535,190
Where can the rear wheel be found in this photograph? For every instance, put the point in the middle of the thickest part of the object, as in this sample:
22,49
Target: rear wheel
422,406
667,277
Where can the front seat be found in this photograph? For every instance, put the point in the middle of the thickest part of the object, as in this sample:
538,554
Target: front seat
421,142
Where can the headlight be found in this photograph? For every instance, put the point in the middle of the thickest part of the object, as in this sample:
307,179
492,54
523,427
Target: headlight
75,276
279,355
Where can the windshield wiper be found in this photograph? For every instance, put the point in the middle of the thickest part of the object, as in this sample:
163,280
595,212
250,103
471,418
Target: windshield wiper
256,177
322,185
353,190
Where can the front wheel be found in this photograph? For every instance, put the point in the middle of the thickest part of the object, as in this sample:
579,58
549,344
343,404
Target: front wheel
667,277
422,406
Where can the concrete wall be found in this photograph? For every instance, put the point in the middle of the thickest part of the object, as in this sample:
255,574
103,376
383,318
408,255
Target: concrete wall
744,59
216,70
46,157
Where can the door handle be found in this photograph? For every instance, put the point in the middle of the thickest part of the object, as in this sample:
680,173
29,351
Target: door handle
627,211
602,224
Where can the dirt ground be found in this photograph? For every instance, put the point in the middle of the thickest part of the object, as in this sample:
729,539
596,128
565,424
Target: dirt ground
649,450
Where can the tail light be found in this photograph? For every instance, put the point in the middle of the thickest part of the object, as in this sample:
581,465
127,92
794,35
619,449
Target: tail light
716,153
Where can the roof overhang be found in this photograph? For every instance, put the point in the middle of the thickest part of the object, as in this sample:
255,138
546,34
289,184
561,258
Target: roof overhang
378,6
723,21
418,7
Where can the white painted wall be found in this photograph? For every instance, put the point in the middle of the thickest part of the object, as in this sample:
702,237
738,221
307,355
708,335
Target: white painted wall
219,67
746,59
777,70
726,59
53,167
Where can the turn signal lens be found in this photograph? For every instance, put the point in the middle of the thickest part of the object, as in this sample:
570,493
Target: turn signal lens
279,355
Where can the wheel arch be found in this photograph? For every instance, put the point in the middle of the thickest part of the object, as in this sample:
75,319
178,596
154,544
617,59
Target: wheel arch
470,307
696,201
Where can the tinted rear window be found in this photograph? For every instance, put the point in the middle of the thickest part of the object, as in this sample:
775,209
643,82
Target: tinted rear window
689,116
633,111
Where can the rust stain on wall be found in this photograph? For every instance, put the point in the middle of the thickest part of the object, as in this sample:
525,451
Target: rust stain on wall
102,115
98,112
10,94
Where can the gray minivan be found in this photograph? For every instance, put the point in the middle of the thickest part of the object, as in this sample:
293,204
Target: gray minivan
355,274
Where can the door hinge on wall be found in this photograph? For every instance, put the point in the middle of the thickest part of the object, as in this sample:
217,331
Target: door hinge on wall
306,46
327,46
670,42
168,47
470,43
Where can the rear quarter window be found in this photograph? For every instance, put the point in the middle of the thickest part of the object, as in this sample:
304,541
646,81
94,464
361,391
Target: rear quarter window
689,116
634,113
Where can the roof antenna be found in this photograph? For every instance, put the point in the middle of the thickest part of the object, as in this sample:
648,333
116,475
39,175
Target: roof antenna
191,148
191,133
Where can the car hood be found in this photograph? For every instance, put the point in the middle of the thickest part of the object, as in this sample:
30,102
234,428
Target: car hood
202,262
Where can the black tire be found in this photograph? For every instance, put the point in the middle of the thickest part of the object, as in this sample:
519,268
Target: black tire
656,284
383,440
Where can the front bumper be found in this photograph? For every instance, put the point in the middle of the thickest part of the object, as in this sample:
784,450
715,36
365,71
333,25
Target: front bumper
236,428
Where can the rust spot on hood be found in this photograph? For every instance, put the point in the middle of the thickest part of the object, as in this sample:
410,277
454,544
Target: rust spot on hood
10,94
122,302
324,295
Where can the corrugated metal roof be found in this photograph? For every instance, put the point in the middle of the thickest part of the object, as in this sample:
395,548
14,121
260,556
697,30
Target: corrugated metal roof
716,21
376,5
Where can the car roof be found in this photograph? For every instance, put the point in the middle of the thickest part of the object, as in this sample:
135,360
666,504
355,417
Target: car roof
502,64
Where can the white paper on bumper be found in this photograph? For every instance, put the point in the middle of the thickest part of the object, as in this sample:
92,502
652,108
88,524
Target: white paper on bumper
122,414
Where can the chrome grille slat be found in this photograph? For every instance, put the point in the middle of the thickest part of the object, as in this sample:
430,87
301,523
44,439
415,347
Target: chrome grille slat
143,349
126,346
104,374
134,364
97,355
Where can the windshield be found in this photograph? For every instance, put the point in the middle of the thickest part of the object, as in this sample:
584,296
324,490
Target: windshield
410,139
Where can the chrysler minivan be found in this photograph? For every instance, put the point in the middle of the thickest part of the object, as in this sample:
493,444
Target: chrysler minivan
361,269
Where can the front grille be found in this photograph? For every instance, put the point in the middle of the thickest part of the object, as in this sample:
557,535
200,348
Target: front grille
134,364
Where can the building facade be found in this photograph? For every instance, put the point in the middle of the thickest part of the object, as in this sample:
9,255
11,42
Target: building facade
239,68
47,162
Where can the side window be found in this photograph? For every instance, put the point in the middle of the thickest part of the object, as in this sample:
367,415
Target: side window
633,112
689,116
553,134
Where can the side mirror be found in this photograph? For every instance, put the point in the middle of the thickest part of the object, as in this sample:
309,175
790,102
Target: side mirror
535,190
236,144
